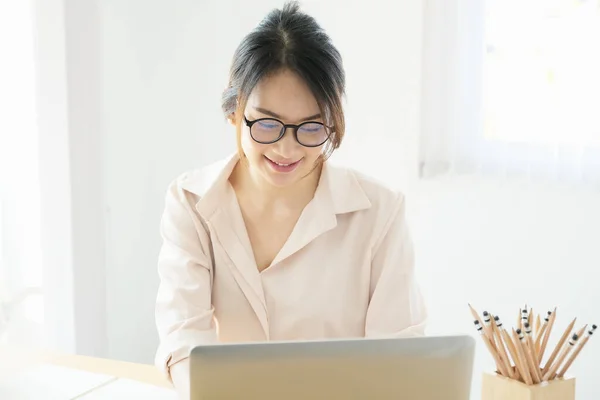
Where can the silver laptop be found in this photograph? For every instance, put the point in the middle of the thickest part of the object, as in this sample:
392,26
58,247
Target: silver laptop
424,368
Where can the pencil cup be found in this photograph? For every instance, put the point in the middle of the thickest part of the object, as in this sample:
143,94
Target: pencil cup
497,387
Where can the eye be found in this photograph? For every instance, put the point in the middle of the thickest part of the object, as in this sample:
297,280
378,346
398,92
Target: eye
268,124
311,128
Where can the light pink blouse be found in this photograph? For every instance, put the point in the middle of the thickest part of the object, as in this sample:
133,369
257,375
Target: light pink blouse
347,269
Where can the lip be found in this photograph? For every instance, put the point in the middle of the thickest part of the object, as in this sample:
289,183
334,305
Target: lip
283,168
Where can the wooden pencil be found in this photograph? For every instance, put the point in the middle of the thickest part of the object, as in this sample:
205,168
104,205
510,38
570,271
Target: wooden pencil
475,314
519,319
531,345
565,351
530,317
492,350
487,326
525,373
540,334
487,332
547,334
519,373
533,368
558,363
537,326
559,345
481,321
496,326
581,331
524,317
574,355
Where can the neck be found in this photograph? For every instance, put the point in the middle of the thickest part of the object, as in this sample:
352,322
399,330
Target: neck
250,184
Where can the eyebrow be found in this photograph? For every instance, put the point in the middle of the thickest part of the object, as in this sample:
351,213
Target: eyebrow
275,115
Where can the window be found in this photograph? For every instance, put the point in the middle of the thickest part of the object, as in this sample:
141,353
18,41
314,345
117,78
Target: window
541,82
511,89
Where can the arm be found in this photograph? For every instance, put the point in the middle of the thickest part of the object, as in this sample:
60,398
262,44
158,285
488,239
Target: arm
180,376
396,306
184,312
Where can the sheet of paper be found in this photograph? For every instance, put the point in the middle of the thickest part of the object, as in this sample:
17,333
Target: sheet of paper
50,382
129,389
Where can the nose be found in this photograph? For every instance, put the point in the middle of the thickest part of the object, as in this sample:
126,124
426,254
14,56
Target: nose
287,145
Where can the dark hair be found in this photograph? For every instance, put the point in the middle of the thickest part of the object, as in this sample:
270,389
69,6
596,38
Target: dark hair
289,39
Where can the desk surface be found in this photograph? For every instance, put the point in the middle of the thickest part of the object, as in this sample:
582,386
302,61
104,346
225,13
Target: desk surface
13,360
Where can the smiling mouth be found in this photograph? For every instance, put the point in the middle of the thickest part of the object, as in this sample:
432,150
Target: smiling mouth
283,167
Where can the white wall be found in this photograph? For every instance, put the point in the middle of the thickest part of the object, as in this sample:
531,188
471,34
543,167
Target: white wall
19,195
499,245
69,115
19,198
164,66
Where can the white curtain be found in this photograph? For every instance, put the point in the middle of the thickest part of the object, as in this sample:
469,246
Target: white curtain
512,88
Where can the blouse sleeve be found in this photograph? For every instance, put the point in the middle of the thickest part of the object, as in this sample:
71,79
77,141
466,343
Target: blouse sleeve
184,313
397,307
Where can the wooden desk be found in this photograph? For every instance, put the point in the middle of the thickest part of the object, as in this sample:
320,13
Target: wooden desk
15,360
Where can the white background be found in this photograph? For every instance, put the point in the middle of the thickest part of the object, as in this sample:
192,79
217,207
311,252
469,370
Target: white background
141,103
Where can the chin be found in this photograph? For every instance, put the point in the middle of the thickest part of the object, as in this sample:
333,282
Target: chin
281,180
281,177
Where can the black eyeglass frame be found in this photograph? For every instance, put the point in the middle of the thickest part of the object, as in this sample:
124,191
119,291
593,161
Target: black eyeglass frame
329,130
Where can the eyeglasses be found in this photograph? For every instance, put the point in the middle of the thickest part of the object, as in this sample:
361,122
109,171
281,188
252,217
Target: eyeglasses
270,130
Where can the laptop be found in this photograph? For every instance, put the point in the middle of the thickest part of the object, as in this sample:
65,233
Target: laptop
421,368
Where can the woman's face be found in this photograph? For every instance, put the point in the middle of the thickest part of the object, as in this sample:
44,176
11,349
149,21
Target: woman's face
286,97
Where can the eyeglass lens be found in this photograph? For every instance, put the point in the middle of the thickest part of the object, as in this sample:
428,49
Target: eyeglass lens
270,130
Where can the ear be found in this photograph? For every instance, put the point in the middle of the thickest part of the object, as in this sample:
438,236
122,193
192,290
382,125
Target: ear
231,119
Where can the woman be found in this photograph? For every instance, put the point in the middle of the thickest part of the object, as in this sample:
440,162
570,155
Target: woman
275,243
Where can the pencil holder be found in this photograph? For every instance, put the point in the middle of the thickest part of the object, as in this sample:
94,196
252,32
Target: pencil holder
497,387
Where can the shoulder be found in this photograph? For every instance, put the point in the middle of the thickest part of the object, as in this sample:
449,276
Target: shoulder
204,186
380,193
382,198
200,181
384,209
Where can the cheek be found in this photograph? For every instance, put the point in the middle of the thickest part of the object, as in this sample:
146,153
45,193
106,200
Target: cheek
251,149
313,153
